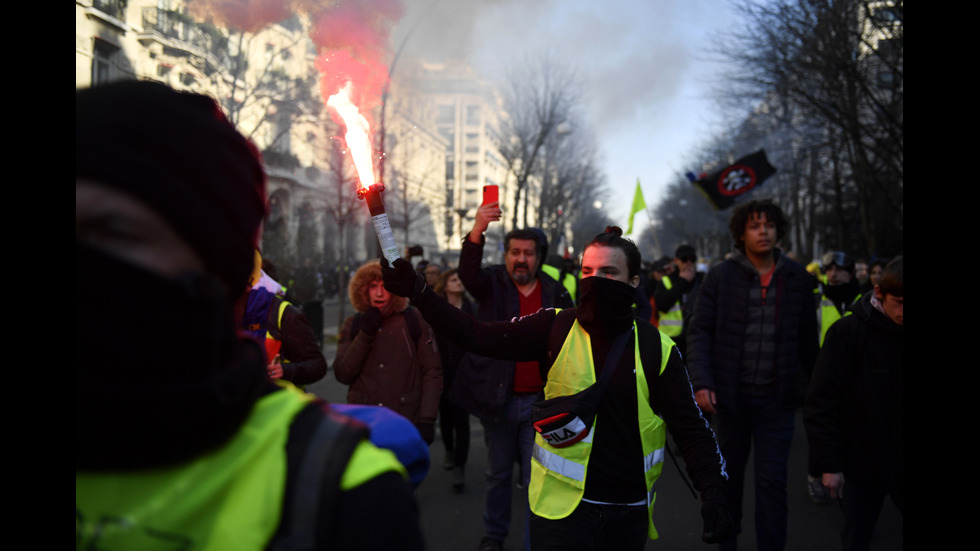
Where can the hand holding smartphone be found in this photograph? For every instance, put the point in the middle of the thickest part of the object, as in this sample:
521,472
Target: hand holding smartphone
490,194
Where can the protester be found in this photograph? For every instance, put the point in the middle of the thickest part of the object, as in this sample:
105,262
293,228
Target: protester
291,347
599,491
675,296
501,392
181,438
752,342
387,353
454,421
838,292
854,412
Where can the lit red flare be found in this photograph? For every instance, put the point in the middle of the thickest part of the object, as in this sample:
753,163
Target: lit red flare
357,135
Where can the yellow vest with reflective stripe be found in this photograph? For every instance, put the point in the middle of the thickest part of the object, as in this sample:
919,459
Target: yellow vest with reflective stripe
558,474
827,314
230,498
671,321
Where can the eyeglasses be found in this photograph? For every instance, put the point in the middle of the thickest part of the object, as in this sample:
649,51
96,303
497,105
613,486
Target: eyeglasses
688,258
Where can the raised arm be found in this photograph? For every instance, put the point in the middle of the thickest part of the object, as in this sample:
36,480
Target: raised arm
523,339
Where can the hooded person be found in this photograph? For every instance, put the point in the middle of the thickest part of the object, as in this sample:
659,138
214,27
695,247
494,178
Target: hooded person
601,488
387,353
180,435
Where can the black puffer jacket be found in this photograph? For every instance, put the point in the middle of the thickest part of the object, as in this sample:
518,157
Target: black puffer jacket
717,333
854,406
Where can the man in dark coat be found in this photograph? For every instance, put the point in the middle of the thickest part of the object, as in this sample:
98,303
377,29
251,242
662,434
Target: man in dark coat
501,392
854,407
753,339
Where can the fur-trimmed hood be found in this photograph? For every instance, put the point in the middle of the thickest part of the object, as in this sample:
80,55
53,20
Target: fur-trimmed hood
357,290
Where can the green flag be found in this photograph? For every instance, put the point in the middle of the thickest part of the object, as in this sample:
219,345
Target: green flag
639,205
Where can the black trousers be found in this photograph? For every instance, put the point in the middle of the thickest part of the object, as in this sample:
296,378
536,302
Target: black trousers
592,527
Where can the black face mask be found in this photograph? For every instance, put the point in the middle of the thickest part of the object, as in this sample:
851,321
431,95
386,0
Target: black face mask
173,329
605,305
160,373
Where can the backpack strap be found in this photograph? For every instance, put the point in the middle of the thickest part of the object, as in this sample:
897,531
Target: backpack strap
411,318
355,325
273,322
318,450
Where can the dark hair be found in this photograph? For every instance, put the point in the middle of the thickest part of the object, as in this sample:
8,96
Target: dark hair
531,234
743,212
613,237
891,282
440,287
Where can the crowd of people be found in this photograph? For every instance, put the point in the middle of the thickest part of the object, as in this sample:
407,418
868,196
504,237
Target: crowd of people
193,428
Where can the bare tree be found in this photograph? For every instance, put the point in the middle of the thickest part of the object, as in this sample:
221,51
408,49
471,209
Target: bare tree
344,210
413,184
571,182
542,93
262,79
837,67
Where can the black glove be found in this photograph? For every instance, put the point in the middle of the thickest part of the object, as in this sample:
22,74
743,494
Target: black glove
427,430
370,321
402,279
718,524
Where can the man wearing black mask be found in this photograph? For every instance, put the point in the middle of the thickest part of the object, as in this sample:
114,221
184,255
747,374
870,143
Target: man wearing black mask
181,438
599,489
838,292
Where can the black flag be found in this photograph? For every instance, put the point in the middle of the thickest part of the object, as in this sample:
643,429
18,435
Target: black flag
723,186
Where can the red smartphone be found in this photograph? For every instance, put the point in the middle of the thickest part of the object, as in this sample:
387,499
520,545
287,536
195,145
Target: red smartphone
490,194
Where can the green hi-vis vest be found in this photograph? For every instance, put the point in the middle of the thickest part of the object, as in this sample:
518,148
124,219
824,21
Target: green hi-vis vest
671,321
827,314
230,498
569,282
558,474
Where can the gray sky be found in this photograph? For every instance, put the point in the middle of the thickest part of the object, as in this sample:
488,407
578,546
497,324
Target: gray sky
643,63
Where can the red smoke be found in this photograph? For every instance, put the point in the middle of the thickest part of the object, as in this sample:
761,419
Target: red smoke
351,37
352,45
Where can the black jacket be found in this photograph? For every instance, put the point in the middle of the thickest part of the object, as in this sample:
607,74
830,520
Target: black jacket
484,385
615,467
715,340
854,405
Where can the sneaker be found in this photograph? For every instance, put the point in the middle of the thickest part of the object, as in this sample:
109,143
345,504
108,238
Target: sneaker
490,544
818,492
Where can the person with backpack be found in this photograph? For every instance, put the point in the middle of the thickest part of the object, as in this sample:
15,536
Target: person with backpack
387,353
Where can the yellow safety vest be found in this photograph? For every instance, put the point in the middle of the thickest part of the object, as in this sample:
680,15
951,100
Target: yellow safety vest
671,321
827,314
230,498
558,474
570,282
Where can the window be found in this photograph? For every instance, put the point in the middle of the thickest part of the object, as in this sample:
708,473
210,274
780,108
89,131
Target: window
102,54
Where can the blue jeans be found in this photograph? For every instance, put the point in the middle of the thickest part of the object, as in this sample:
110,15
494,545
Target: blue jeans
760,423
509,439
593,527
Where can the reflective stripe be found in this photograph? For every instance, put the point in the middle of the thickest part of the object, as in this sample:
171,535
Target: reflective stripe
557,464
653,459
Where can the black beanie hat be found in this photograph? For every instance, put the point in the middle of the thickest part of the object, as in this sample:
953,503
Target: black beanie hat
176,152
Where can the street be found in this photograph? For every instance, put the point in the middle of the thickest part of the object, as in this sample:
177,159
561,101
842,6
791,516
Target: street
453,522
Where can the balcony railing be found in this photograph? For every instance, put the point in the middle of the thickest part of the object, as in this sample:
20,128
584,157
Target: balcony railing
115,8
179,27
